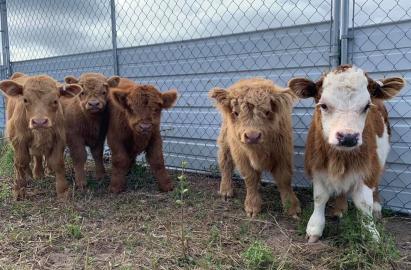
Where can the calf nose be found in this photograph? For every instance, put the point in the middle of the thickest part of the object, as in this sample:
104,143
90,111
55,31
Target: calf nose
145,126
347,139
39,122
252,137
93,103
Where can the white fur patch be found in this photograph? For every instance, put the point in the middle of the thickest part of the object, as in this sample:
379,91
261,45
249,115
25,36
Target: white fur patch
316,223
376,207
339,185
383,147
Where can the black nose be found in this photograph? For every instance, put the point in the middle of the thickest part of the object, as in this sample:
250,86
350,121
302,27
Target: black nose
93,103
347,139
145,126
252,137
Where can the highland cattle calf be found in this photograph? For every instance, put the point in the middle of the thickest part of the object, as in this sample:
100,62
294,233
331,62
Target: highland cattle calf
86,122
35,127
256,136
135,114
348,140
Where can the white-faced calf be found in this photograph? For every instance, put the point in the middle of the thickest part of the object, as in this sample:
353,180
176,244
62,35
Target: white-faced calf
348,140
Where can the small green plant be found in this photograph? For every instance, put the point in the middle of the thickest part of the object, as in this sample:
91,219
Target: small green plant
5,191
139,176
6,158
259,256
74,230
182,189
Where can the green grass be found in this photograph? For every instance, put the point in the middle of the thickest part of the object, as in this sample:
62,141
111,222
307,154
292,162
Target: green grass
358,249
259,256
6,158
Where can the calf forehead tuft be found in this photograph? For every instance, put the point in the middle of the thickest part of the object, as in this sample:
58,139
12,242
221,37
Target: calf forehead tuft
347,78
255,90
40,84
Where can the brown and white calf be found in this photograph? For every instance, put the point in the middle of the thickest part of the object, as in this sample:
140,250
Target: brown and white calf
348,140
35,127
86,122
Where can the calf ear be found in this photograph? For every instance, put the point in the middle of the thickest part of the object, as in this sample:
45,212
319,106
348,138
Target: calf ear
11,88
303,88
169,98
119,99
69,90
113,81
220,95
70,79
385,89
17,75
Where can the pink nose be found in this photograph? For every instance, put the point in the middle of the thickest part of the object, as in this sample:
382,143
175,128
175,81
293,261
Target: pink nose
39,122
93,103
145,126
252,137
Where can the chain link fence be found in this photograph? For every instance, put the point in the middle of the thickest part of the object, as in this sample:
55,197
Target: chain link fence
196,45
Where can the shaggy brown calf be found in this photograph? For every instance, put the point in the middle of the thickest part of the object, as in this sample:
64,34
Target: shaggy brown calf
35,127
86,122
348,140
135,112
256,135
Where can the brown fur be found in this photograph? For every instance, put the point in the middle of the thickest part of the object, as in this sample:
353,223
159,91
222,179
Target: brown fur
86,126
256,105
133,106
28,99
319,156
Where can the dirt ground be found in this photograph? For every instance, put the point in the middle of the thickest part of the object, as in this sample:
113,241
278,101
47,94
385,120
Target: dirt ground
141,229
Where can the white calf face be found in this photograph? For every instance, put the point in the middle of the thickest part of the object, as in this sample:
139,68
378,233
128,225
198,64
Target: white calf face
344,104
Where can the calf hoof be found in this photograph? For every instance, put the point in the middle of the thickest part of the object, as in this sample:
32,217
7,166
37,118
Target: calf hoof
313,239
252,206
166,187
226,193
294,211
19,194
63,196
116,189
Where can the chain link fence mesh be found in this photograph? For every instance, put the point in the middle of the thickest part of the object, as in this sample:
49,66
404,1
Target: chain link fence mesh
194,46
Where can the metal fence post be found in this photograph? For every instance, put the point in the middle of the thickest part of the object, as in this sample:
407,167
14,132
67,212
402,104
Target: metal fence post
114,36
335,33
345,16
5,39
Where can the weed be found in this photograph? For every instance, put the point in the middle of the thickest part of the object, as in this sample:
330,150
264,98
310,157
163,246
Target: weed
139,175
182,189
259,256
6,158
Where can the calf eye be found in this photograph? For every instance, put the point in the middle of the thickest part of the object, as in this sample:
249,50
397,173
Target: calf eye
324,106
104,92
82,94
366,108
55,102
25,100
235,113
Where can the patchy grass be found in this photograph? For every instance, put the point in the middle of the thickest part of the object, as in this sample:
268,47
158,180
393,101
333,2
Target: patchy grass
142,229
6,158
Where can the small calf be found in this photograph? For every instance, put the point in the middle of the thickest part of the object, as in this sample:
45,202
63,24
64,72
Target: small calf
35,127
86,122
348,140
256,135
135,113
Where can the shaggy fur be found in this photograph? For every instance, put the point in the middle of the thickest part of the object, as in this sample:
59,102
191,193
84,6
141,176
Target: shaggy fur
345,171
262,109
86,122
30,101
135,114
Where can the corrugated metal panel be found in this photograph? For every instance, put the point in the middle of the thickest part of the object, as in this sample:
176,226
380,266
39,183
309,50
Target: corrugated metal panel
383,50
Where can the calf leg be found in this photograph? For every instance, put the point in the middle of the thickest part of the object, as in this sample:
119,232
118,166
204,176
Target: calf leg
316,223
290,202
97,153
363,200
56,163
79,156
253,201
120,165
21,166
154,155
340,205
38,169
376,206
226,163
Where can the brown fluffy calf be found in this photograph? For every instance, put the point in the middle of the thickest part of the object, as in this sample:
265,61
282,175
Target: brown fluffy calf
348,140
135,112
86,122
35,127
256,135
